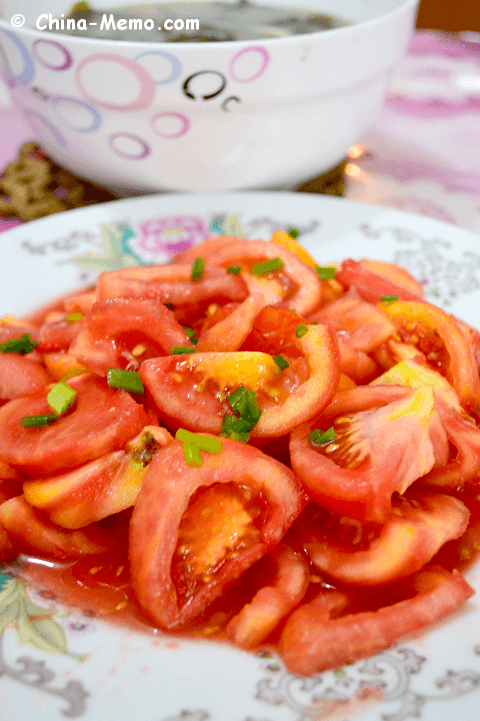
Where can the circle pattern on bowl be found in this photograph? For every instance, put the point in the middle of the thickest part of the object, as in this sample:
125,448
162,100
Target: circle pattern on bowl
39,47
147,86
126,85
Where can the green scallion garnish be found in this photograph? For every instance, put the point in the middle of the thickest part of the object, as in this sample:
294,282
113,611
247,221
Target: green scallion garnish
181,350
61,397
191,334
267,266
193,443
326,273
300,330
320,438
389,299
281,362
125,380
36,421
197,269
22,345
170,306
293,233
74,317
235,428
234,269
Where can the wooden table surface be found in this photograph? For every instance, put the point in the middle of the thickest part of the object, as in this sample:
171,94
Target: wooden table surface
449,15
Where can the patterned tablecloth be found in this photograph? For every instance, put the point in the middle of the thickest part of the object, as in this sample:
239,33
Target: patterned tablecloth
423,154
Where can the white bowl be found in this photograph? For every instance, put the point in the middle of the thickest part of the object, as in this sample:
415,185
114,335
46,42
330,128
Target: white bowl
141,117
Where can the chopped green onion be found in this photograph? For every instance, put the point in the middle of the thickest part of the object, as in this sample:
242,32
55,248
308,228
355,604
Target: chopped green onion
211,445
320,438
293,233
191,334
170,306
234,269
125,380
235,428
181,350
22,345
300,330
192,454
281,362
34,421
74,317
244,402
197,269
326,273
193,443
61,397
268,266
389,299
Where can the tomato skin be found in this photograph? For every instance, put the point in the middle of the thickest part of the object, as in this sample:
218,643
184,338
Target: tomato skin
363,490
20,376
167,488
312,642
96,343
56,336
102,420
407,541
272,602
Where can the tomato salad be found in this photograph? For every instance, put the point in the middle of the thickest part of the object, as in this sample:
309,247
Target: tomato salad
279,451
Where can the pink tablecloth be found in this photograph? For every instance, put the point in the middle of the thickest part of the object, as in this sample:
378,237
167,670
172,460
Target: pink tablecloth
423,154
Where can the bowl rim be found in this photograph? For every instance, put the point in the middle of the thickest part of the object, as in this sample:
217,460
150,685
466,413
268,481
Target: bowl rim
219,46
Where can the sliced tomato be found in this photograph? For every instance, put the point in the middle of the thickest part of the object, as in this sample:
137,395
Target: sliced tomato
362,325
273,331
102,420
231,332
294,286
56,335
356,364
122,331
373,286
442,341
191,390
194,530
376,451
463,463
31,532
172,284
98,489
419,525
273,601
313,641
394,273
20,376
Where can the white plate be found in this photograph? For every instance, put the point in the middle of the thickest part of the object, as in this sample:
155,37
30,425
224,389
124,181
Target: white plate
126,676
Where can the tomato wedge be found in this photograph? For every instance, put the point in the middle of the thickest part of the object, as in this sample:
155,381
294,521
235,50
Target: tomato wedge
230,333
441,339
190,390
272,602
312,641
419,524
102,420
294,286
196,529
31,532
373,285
376,451
172,284
462,433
